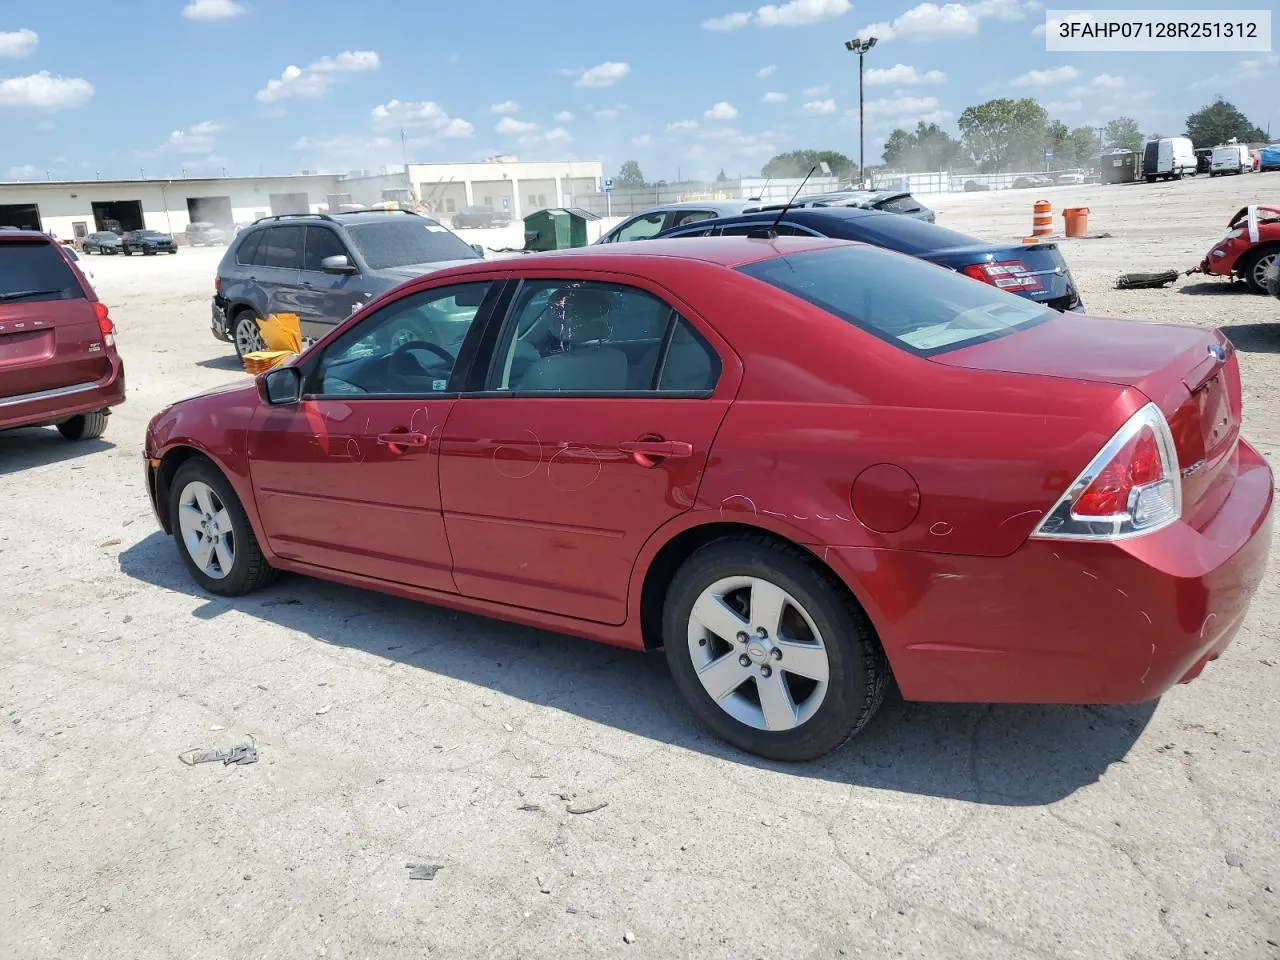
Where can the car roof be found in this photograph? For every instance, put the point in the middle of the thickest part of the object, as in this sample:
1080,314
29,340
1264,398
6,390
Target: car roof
18,234
721,206
794,213
337,219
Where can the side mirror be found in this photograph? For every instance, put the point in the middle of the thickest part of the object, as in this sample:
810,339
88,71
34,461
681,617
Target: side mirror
281,386
338,264
478,249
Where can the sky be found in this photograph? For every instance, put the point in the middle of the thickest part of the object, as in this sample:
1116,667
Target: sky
687,89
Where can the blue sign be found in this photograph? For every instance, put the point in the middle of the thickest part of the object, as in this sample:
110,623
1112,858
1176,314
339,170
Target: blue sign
1048,154
608,186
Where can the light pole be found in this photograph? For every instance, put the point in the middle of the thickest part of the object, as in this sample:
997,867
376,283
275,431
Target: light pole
860,47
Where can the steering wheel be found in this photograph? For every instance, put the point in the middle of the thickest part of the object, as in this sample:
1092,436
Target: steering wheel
401,351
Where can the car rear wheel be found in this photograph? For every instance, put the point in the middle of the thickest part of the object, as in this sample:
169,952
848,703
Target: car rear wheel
771,653
213,534
245,333
86,426
1254,266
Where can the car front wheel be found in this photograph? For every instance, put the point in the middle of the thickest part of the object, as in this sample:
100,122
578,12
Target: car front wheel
771,653
213,534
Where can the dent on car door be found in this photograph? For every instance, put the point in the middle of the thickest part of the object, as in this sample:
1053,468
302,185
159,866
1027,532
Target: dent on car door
276,264
590,430
347,478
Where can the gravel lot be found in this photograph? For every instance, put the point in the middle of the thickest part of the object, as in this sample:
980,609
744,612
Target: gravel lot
393,734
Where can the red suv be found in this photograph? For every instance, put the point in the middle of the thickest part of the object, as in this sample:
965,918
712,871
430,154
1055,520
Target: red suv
58,359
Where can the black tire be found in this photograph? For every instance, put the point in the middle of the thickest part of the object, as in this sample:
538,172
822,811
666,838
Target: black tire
858,671
126,251
1248,270
86,426
250,570
1151,179
236,319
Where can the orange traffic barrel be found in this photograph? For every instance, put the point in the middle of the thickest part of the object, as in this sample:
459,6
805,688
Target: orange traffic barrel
1042,219
1077,221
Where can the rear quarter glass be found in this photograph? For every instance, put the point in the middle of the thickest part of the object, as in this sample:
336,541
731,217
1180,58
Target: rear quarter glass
917,306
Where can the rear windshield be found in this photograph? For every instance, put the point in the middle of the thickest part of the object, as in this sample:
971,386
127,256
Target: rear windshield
404,241
907,234
31,272
923,308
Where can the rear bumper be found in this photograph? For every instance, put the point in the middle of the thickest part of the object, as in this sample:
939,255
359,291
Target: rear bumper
218,323
1062,622
55,405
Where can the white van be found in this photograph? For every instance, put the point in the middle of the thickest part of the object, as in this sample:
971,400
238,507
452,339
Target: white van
1230,158
1169,158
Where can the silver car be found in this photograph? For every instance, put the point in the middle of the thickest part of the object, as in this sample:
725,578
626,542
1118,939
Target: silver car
652,222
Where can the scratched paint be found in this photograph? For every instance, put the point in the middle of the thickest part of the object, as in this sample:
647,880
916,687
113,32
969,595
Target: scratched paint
515,467
570,469
942,529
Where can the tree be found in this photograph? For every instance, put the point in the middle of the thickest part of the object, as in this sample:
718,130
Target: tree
928,148
1123,133
1219,122
721,177
629,177
800,162
1002,133
1081,148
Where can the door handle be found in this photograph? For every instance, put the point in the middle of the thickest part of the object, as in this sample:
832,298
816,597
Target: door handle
397,441
649,453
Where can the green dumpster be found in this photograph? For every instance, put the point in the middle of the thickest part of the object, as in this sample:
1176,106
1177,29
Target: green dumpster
556,229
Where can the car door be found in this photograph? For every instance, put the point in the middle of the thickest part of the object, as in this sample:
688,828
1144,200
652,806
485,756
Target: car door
325,299
575,447
348,479
275,267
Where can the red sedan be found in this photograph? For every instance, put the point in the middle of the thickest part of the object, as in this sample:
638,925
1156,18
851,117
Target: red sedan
1249,248
58,360
798,465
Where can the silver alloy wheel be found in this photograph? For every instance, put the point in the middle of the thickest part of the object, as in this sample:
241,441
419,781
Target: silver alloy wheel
1260,269
207,533
758,654
247,335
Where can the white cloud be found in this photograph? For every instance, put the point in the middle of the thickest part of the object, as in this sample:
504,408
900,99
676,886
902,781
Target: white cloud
722,111
18,43
774,96
506,106
908,106
682,125
564,116
644,140
608,113
1045,78
601,75
816,91
349,151
1064,106
318,77
764,73
24,172
1041,29
928,21
902,75
510,125
195,141
552,136
1254,68
819,108
794,13
213,9
425,114
1107,81
45,91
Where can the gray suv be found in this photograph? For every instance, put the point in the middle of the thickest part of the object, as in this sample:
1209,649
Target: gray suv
324,267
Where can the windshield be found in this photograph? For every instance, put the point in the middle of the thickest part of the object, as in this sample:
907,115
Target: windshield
148,233
923,308
401,242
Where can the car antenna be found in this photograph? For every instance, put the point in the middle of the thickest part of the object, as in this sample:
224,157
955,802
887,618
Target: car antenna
772,232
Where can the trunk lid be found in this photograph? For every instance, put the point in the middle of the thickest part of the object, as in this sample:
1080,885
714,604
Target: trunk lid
1039,269
1193,375
49,333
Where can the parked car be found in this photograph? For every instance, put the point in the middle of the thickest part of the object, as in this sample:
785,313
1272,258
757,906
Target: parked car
1169,158
1070,177
58,360
480,217
652,222
205,234
102,242
1249,247
147,242
1231,158
889,201
81,265
976,186
323,267
1036,271
1029,182
591,443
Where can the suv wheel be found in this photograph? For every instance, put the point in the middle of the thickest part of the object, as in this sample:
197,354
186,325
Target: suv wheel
245,333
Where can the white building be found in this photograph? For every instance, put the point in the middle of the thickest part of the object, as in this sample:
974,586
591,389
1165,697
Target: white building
504,183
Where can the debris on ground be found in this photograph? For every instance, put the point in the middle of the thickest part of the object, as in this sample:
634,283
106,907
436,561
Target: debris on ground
423,871
243,753
586,807
628,937
325,709
530,807
544,883
1145,281
113,542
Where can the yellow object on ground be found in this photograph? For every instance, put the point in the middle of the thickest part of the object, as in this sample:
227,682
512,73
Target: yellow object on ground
282,335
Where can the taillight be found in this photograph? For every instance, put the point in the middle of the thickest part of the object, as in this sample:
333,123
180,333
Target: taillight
217,284
1011,275
1130,488
105,323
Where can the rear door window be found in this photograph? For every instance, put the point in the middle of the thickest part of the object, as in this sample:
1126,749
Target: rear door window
642,228
283,248
34,272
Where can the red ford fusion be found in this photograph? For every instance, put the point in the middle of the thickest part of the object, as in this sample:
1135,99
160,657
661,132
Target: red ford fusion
58,360
799,466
